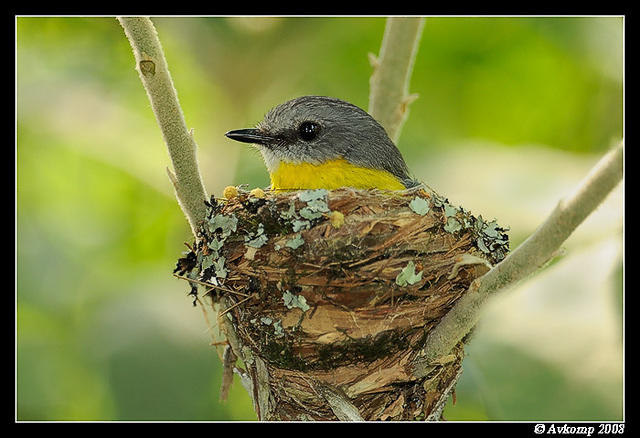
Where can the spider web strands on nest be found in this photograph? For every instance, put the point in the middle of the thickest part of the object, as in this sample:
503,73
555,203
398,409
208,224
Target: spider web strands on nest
211,286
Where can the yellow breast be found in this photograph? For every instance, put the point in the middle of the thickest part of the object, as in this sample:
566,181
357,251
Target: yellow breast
331,175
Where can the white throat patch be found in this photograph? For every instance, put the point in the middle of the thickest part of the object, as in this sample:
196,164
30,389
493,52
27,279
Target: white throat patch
270,159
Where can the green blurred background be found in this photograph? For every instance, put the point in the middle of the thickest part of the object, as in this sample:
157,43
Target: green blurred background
512,113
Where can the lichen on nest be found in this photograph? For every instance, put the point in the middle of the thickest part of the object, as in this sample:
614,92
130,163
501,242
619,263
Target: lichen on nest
381,226
338,284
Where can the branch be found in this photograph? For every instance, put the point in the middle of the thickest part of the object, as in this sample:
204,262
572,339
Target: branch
527,258
389,82
156,79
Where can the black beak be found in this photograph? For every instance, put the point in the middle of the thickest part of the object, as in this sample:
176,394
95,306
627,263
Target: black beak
249,136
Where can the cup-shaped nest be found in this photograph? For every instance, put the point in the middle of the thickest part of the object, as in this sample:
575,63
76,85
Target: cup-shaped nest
332,294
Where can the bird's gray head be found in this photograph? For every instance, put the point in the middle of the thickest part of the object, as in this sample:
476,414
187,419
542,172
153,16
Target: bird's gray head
316,129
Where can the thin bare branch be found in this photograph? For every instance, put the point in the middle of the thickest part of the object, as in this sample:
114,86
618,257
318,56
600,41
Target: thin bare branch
389,96
156,79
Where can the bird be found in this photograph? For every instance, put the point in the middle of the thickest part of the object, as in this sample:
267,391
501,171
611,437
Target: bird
320,142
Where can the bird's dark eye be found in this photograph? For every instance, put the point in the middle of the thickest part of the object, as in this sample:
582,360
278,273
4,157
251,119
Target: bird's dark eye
308,130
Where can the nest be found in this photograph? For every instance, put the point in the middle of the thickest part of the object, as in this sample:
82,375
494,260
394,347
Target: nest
330,295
